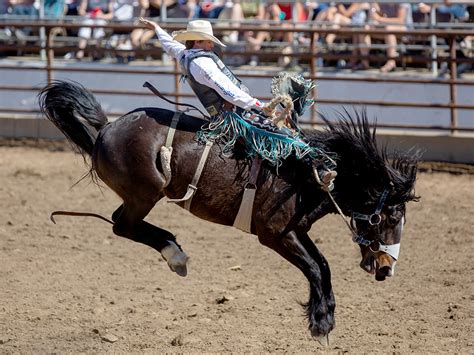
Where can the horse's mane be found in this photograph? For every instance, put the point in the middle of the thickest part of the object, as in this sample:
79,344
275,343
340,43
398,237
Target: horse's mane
360,160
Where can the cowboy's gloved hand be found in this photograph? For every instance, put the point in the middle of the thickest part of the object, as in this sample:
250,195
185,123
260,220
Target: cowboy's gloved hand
263,109
148,24
268,111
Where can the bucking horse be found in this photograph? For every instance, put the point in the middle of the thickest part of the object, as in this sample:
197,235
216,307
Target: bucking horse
370,191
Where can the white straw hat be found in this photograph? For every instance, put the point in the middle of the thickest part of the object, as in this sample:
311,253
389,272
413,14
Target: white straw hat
198,30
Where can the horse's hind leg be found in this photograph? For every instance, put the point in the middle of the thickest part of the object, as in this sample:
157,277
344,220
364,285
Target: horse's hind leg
129,223
299,250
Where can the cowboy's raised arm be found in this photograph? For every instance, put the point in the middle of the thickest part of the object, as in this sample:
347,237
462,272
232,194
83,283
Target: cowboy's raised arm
172,47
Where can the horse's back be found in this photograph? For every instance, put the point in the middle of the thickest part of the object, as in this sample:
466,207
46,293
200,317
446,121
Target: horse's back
127,149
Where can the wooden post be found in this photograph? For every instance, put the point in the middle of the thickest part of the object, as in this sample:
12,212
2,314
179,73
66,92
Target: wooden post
49,55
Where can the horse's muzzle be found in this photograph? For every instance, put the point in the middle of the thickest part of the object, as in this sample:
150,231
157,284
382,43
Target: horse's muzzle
380,264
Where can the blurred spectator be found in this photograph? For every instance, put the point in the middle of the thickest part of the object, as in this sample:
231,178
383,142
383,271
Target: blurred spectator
321,16
232,11
4,6
23,8
347,14
55,9
253,9
209,9
293,11
457,12
124,10
467,49
152,9
273,11
354,14
316,9
97,12
395,17
71,7
254,41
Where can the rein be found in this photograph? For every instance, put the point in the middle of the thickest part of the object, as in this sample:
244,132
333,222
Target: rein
83,214
161,96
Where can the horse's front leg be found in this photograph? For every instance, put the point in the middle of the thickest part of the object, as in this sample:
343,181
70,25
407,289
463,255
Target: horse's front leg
299,250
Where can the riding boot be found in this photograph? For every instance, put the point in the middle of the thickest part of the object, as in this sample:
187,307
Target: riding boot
326,178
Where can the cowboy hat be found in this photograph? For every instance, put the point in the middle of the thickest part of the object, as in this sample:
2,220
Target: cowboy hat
198,30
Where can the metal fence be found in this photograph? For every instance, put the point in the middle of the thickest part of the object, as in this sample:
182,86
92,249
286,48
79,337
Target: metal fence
309,55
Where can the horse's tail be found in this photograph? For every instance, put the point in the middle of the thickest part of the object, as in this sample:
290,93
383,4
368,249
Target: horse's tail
75,111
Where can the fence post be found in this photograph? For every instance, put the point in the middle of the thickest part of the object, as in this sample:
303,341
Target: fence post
42,30
434,44
313,69
49,55
452,83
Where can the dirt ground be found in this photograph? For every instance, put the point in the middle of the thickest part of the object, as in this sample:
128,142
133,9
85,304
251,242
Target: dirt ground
75,287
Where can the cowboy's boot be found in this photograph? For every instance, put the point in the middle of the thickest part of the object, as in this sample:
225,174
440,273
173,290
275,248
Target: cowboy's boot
326,179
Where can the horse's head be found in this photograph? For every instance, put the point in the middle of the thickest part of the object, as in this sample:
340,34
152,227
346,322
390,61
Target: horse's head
378,230
372,190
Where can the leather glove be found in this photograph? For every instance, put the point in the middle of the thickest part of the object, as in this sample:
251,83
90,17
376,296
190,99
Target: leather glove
268,111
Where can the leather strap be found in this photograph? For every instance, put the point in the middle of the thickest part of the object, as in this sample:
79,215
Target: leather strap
192,187
243,220
254,170
172,129
161,96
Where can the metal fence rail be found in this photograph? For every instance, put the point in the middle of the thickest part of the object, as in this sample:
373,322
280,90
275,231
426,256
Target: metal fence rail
311,56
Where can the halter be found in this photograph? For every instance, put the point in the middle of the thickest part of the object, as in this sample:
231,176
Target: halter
373,219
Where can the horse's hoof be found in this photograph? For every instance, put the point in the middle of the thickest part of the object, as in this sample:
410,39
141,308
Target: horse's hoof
181,270
322,339
176,259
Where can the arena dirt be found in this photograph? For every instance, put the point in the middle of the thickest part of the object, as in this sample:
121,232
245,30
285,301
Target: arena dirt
75,287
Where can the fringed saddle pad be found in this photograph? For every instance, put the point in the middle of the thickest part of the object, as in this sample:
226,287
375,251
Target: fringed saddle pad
297,87
228,128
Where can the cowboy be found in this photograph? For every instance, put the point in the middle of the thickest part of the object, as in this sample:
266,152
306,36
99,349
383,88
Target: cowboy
212,81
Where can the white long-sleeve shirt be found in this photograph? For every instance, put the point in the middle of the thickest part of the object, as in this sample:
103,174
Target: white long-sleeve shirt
205,71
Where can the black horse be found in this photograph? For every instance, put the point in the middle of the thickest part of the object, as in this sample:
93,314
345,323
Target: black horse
125,154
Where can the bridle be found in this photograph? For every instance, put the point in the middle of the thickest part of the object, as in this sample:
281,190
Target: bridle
374,219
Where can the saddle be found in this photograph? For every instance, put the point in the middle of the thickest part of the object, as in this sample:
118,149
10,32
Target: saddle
273,138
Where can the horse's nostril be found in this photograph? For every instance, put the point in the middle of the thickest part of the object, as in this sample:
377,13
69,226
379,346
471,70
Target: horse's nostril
379,277
386,270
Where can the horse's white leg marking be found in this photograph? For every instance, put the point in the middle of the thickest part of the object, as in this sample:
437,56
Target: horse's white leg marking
175,258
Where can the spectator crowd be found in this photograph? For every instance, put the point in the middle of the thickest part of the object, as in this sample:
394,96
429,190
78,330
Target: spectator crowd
396,17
